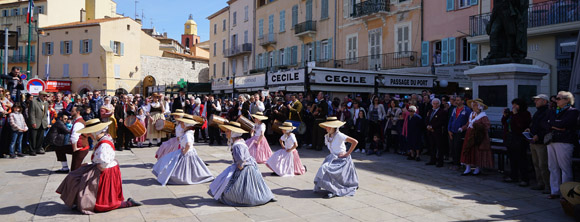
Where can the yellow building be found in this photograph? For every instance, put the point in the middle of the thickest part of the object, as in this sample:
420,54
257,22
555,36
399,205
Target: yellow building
219,33
101,54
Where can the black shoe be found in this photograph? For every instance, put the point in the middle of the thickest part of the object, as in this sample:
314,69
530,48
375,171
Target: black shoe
127,148
134,203
41,152
273,200
418,159
12,156
62,171
273,174
20,155
305,169
120,150
524,184
430,163
410,158
32,153
206,164
439,165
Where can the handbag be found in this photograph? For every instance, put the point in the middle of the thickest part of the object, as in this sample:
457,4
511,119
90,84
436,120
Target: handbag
548,138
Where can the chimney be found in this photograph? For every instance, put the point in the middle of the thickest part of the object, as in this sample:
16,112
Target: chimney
83,15
165,34
139,21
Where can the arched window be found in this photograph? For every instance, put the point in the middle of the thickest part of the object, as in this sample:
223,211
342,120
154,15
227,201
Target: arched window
186,42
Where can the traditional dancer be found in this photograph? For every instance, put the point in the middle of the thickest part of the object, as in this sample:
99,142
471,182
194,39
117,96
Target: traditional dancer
156,110
337,174
286,162
258,146
173,143
183,166
476,150
96,187
141,118
241,184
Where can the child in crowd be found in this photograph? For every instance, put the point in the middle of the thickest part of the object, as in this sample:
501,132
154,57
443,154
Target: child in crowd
18,125
376,146
141,117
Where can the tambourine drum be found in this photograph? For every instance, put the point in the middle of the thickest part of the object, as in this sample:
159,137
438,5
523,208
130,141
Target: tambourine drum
200,120
276,127
246,124
217,120
135,126
164,125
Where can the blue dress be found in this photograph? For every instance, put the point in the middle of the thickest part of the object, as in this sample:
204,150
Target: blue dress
414,132
241,188
336,175
178,168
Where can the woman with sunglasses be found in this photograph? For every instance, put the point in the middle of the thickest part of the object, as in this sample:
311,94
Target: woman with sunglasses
563,121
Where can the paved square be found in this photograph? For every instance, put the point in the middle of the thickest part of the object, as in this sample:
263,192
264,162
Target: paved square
391,189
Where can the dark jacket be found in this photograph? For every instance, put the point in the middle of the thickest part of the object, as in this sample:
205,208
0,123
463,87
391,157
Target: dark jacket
96,104
540,126
439,120
517,124
57,133
567,120
177,103
460,121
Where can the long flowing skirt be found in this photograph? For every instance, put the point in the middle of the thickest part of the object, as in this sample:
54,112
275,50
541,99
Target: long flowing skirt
299,168
337,175
240,188
167,147
80,188
141,138
152,133
260,152
285,163
110,194
177,168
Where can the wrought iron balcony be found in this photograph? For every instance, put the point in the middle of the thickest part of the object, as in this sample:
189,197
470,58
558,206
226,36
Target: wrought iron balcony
370,7
269,39
242,49
539,14
19,59
394,60
305,28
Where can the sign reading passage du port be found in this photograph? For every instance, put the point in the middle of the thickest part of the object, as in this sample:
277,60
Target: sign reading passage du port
34,86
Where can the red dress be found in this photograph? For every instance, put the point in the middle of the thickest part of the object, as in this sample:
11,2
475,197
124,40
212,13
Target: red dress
479,154
110,191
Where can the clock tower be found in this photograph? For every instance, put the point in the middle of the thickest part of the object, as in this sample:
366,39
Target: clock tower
189,38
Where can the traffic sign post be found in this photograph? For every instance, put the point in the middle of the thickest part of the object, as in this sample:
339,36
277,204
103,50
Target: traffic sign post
34,86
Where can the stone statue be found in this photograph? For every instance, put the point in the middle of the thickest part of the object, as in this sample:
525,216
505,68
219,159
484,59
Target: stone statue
507,30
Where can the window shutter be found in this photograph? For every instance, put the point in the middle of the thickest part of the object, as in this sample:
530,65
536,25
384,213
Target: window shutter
317,51
51,48
324,13
81,46
425,53
113,46
345,8
261,28
122,49
450,5
452,53
308,10
303,55
43,48
282,20
276,54
62,47
257,61
70,43
270,24
473,53
90,45
473,2
444,52
265,58
65,73
329,49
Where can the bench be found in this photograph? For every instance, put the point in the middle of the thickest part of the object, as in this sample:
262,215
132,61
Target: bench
501,152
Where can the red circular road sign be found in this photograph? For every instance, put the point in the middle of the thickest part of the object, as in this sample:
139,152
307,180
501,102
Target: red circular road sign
34,86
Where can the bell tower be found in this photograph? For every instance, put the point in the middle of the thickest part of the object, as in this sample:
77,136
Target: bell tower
189,38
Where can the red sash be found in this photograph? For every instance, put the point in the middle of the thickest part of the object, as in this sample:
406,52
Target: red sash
99,146
81,137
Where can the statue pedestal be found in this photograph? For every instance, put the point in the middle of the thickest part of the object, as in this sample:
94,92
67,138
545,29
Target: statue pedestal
498,85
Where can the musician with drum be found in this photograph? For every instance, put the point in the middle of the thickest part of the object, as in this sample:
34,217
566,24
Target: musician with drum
124,109
156,110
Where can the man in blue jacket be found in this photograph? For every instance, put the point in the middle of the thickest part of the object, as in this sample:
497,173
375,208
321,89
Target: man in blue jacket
458,119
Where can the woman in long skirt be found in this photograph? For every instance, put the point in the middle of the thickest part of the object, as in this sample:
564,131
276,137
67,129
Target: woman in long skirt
172,144
258,146
476,150
241,184
96,187
183,166
286,162
337,174
156,110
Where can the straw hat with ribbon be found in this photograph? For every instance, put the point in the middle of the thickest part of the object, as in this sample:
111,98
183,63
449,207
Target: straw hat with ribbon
186,118
94,125
478,100
571,192
198,119
232,126
260,116
178,112
331,122
287,126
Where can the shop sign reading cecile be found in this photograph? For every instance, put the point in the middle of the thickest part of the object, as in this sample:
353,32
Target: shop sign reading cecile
286,77
342,78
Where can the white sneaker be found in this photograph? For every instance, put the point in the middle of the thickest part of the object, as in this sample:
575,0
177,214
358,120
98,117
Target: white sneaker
357,151
363,151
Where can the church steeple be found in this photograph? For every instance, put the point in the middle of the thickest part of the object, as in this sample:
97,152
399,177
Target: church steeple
190,26
189,37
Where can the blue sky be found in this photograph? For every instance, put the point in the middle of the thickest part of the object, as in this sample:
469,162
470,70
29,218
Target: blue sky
170,15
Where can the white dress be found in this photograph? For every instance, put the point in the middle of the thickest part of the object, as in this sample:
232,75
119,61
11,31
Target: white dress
282,161
171,144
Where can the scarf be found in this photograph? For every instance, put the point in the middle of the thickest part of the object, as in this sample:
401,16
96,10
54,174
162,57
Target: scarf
474,117
559,110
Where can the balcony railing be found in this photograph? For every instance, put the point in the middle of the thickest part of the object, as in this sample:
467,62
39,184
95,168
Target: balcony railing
305,28
395,60
539,14
245,48
19,59
268,39
370,7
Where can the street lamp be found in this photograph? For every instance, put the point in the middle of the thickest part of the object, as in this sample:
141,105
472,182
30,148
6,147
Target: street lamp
6,26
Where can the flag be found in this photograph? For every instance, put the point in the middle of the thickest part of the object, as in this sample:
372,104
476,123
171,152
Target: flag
30,14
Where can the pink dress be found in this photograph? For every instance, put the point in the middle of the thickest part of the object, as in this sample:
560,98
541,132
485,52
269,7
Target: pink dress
260,152
171,144
141,119
286,163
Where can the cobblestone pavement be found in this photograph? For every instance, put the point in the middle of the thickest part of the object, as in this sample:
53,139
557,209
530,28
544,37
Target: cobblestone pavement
391,189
